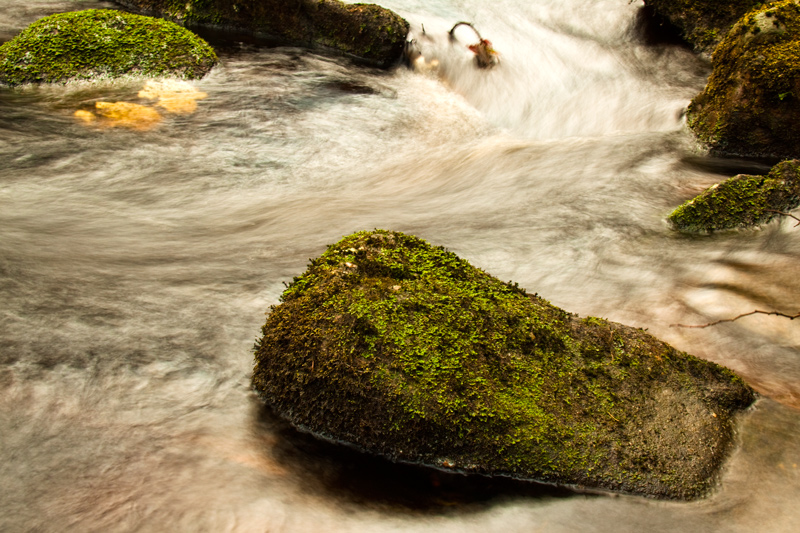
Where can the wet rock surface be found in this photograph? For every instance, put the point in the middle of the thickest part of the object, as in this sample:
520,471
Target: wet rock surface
366,32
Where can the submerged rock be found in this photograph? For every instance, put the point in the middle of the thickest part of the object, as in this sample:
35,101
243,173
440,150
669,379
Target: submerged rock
703,23
102,43
751,104
741,201
405,350
368,32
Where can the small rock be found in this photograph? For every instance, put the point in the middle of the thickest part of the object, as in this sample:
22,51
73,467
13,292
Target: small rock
741,201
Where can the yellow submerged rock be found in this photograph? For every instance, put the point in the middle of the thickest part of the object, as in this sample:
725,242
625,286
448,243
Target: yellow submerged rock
121,114
174,96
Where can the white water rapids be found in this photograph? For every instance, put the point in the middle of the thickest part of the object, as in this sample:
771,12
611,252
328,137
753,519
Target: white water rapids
136,266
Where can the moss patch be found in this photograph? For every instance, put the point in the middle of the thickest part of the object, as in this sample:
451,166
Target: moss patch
102,43
408,351
703,22
741,201
751,104
368,32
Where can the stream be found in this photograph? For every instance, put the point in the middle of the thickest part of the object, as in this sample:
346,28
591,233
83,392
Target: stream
138,257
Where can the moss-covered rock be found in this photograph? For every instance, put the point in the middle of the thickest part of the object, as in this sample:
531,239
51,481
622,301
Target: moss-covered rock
703,23
751,104
368,32
741,201
408,351
102,43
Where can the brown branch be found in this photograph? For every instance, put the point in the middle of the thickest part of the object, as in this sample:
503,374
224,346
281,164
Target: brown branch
453,30
757,311
782,213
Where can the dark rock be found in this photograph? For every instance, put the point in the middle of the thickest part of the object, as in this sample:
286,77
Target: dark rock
102,43
742,201
409,352
367,32
703,23
751,104
655,29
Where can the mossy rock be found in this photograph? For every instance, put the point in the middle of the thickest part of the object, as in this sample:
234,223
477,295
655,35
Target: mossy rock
703,23
751,104
367,32
102,44
741,201
407,351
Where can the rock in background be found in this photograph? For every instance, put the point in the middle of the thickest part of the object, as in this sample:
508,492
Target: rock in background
367,32
751,104
703,23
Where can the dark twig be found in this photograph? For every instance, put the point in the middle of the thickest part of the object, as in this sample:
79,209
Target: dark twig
757,311
785,215
453,30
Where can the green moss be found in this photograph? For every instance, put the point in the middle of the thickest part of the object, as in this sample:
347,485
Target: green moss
407,350
747,107
102,43
741,201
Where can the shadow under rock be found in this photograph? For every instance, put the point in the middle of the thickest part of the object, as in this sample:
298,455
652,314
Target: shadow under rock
350,476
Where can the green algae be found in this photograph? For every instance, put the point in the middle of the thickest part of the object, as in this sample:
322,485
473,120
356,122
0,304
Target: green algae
750,105
102,43
366,32
408,351
741,201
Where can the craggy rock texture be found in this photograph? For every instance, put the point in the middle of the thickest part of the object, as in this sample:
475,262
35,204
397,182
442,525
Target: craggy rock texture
703,23
751,105
407,351
741,201
102,43
365,31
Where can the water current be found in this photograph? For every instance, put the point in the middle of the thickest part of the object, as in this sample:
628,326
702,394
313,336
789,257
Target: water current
137,261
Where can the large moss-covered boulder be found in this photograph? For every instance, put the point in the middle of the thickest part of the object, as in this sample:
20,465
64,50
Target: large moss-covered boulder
742,201
703,23
367,32
102,43
407,351
751,105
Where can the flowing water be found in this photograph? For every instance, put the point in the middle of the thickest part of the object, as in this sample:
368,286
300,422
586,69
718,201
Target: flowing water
137,260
